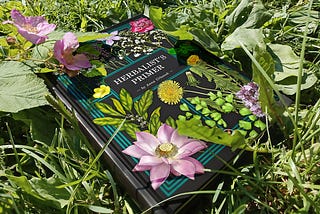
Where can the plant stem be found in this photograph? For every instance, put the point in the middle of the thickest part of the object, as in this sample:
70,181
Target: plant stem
299,80
14,150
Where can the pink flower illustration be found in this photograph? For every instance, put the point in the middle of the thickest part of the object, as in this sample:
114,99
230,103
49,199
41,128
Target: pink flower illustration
168,152
63,52
141,25
33,28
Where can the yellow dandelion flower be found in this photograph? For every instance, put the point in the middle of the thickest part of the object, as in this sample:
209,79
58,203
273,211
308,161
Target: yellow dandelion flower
193,60
102,91
170,92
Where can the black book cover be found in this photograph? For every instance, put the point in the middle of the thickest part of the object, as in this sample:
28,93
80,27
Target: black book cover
191,82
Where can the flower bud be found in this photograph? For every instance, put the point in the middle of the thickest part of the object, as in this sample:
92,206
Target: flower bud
11,40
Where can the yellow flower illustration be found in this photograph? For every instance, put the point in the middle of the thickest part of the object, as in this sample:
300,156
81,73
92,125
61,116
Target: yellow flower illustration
193,60
102,91
170,92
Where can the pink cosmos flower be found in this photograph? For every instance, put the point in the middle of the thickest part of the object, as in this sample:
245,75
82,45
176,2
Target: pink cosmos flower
141,25
63,52
33,28
168,152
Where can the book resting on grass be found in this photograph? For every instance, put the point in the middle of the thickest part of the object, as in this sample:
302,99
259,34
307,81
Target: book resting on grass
174,111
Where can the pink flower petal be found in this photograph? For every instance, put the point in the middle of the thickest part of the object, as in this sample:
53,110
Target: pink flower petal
174,172
57,50
164,133
79,61
161,166
179,140
184,167
199,168
150,161
190,148
33,38
33,28
139,168
135,151
35,20
45,28
146,147
70,41
17,17
159,174
147,141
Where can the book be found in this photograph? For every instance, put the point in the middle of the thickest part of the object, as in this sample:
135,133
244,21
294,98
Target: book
142,78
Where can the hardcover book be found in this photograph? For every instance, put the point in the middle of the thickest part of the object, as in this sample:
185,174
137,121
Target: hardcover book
153,87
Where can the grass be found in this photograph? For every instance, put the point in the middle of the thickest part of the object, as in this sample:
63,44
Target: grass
60,173
63,176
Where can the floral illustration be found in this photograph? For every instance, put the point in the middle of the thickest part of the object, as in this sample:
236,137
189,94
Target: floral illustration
63,52
102,91
193,60
170,92
249,94
167,153
141,25
34,28
113,37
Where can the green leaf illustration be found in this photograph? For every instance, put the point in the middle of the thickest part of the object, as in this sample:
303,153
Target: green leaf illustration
194,128
131,129
103,121
184,107
107,109
142,105
221,80
171,122
244,111
259,124
210,123
229,98
227,107
97,69
245,125
118,106
216,116
126,99
154,122
252,117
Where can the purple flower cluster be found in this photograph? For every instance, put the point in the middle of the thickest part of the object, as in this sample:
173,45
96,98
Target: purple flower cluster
249,94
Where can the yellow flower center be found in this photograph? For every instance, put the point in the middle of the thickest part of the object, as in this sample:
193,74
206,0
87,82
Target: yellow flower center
170,92
30,28
193,60
166,150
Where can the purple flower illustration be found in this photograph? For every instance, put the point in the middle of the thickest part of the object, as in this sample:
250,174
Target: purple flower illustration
63,52
113,37
33,28
249,94
167,153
